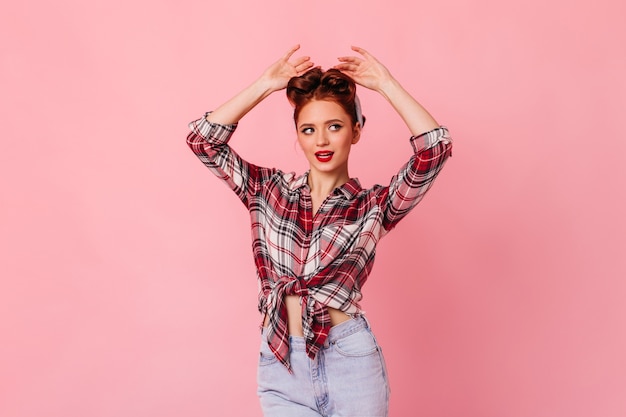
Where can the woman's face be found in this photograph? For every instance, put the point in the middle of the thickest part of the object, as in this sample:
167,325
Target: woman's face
326,134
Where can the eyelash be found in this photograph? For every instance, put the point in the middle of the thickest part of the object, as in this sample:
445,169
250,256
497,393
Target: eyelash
334,127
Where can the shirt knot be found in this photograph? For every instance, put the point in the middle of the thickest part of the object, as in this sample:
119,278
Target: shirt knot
315,319
292,286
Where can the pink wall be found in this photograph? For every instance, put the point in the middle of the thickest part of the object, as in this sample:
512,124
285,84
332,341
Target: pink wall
126,266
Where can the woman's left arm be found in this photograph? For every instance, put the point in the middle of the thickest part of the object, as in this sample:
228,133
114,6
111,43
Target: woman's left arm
431,143
370,73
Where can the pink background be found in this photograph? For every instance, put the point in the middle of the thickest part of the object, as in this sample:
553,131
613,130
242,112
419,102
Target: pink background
126,270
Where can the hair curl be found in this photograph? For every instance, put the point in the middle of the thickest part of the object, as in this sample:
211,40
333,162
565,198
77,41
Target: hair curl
330,85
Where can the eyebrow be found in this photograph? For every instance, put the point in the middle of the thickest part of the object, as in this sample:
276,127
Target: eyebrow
326,123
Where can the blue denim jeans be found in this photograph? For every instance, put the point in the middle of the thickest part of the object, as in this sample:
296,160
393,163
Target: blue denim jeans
347,378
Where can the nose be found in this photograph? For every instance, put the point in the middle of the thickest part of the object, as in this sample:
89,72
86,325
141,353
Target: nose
321,139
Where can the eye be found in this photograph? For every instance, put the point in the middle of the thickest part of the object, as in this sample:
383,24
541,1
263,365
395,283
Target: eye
335,126
307,130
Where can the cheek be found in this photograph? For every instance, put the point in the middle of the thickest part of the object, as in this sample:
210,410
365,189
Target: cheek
303,146
347,142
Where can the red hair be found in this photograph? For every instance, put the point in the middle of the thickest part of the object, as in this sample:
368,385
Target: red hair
315,84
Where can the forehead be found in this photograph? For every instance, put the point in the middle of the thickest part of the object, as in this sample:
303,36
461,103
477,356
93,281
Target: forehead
321,110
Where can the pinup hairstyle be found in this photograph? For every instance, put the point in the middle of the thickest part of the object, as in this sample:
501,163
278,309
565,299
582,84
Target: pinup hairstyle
331,85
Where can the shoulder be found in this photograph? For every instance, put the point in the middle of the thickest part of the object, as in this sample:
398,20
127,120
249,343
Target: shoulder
372,191
365,198
287,181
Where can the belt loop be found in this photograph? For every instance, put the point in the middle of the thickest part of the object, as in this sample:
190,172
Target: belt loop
367,323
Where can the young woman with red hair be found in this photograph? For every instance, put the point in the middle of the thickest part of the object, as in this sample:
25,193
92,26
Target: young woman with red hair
315,235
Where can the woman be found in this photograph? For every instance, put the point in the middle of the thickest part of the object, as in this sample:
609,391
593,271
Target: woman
315,235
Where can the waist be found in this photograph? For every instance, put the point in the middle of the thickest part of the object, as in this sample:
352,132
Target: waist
294,316
337,332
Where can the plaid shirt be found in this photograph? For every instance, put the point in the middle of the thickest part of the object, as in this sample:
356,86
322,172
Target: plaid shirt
325,258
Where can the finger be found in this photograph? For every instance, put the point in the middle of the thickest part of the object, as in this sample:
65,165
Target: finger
346,67
350,59
305,66
360,50
291,52
301,60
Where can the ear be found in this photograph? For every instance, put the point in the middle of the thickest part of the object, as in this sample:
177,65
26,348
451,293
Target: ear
356,133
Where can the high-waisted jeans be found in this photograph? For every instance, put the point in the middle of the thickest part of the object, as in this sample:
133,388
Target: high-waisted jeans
347,378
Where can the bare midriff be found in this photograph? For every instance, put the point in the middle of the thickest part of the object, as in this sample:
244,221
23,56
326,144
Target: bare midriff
294,315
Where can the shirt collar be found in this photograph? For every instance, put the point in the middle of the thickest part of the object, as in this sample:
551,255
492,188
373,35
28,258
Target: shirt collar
349,190
299,182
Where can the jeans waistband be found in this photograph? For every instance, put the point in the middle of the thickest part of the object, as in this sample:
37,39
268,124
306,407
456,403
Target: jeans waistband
348,327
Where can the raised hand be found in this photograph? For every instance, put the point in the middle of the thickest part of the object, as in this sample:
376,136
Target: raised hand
365,70
274,78
280,72
368,72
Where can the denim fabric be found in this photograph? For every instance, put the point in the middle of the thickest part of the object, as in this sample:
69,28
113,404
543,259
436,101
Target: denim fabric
347,378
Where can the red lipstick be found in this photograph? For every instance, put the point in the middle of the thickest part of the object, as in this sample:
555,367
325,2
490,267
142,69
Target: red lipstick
324,156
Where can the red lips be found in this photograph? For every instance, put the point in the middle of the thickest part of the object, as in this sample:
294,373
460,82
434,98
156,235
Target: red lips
324,156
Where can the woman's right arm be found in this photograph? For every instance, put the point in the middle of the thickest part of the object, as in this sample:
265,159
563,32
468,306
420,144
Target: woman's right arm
273,79
209,135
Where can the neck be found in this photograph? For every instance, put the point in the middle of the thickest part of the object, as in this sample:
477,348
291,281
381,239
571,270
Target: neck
322,183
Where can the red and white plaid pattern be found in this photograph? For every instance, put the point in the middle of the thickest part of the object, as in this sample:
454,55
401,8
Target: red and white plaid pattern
324,258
